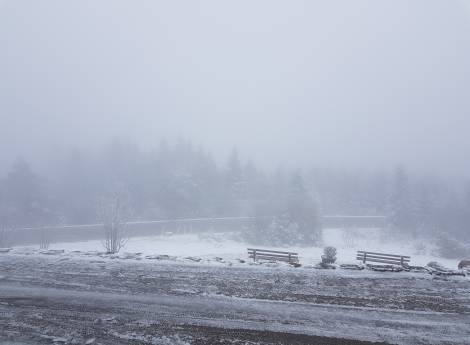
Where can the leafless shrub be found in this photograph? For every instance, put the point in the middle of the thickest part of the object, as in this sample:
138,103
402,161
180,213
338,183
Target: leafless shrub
44,240
349,237
113,212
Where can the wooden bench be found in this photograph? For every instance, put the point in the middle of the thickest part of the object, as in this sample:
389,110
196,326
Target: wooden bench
272,255
389,259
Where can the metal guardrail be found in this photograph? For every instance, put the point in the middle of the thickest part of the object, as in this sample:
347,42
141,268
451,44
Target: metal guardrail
348,221
84,232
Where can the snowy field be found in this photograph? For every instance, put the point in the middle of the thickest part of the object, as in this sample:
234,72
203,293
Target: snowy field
227,247
201,289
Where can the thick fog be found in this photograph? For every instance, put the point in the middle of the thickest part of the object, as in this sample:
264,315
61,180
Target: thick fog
344,84
235,172
277,111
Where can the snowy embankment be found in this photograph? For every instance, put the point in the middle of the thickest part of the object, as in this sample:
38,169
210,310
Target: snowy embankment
230,249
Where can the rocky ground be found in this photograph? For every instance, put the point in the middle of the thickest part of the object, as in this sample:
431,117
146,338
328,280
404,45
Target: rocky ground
68,300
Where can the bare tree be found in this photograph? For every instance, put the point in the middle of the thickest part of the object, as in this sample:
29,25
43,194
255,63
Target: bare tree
113,212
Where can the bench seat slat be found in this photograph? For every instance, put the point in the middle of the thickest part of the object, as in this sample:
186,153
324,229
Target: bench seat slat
378,257
391,255
391,259
361,256
270,251
398,262
392,262
292,258
268,258
384,261
272,255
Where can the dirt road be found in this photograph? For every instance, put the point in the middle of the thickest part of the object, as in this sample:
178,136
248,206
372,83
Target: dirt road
66,300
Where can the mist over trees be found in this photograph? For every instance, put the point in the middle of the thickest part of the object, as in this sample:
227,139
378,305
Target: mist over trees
180,181
290,216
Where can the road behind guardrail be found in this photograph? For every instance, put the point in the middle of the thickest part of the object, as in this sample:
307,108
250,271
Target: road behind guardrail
85,232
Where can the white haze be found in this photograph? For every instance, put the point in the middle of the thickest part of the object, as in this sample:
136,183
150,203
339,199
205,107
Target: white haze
357,84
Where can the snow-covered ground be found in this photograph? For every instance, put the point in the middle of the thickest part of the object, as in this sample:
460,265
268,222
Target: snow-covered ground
206,289
67,299
230,248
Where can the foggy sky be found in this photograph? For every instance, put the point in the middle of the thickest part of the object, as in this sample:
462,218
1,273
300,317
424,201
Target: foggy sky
337,83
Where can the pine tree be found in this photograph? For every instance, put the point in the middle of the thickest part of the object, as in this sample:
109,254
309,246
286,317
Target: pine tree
23,195
465,218
426,210
235,179
401,210
303,212
235,185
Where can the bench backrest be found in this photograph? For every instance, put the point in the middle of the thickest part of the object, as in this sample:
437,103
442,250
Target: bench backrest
264,254
390,259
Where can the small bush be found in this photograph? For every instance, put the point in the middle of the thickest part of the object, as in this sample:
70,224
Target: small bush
329,255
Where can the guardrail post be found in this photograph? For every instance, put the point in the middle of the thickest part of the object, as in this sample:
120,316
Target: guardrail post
365,258
254,255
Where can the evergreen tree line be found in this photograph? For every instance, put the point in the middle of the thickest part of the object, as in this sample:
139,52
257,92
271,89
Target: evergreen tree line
180,181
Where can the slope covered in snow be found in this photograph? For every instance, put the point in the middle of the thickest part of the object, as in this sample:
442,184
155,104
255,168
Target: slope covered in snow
230,247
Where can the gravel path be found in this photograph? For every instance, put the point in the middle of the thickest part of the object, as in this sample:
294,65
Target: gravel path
62,299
